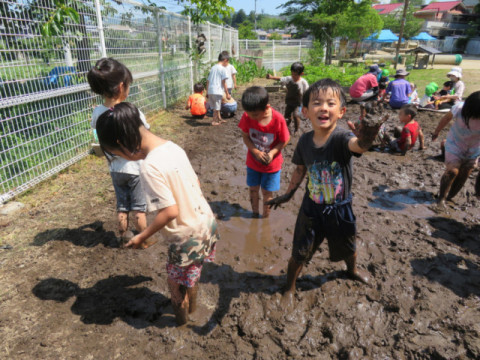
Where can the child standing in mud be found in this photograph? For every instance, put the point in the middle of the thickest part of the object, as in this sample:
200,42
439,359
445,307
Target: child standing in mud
325,155
265,134
462,147
111,79
296,87
173,191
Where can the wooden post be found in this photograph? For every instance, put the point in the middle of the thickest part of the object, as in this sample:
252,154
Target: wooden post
402,25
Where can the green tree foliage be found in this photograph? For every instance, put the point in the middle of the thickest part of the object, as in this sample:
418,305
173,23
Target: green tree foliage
412,24
239,18
267,22
358,21
275,36
245,31
201,10
54,26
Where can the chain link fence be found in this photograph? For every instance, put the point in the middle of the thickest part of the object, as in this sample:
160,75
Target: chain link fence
45,101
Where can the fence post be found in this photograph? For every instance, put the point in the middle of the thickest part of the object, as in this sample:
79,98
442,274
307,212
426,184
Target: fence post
238,45
209,32
160,54
300,50
191,52
273,55
100,29
246,44
230,49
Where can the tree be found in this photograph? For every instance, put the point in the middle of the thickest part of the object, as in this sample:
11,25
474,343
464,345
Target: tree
201,10
270,23
412,24
245,31
239,18
318,16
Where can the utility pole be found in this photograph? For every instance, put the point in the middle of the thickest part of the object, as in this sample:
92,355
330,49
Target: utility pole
402,25
255,14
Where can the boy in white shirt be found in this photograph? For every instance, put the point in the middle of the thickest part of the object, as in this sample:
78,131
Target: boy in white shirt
216,85
231,73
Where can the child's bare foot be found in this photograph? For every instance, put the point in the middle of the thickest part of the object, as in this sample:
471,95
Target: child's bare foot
222,121
216,123
288,299
359,275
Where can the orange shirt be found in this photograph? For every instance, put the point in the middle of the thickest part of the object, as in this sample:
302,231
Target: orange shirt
197,104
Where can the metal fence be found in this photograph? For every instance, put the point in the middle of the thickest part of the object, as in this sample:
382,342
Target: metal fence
277,53
45,102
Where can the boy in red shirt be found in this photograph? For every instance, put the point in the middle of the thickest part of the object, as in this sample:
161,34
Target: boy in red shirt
406,137
265,133
196,102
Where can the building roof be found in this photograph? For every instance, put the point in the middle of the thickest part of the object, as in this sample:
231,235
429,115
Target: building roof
385,9
425,49
441,6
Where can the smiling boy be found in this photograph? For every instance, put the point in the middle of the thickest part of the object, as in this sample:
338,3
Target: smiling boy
325,156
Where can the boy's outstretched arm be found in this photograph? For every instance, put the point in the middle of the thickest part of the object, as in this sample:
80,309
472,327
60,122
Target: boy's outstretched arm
295,182
271,77
163,217
366,133
443,122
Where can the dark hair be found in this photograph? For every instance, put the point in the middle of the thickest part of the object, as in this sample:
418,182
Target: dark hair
297,68
471,108
119,128
322,86
448,84
224,55
409,109
255,98
107,74
198,87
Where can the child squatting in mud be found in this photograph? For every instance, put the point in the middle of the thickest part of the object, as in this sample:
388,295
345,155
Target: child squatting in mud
325,155
173,191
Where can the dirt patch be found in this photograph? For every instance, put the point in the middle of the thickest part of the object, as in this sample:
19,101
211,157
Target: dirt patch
68,291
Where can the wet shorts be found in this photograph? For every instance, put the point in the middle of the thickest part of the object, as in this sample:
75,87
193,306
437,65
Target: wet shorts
129,192
188,275
334,222
296,110
267,181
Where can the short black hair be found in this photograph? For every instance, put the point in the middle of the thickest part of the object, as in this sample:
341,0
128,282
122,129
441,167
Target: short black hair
297,68
322,86
118,128
471,108
409,109
255,98
224,55
448,84
198,88
107,74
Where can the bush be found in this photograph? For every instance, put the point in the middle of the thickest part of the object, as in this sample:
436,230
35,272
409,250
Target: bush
344,76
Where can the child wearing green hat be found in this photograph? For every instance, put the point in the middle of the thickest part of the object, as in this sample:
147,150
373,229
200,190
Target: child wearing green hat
383,82
428,100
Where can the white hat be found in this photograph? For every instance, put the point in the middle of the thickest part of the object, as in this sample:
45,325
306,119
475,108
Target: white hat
456,71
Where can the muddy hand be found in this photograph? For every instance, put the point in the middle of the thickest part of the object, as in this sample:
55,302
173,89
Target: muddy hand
134,243
267,159
276,202
369,128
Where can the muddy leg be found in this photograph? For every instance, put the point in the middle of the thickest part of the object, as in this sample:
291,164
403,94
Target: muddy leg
122,218
192,298
477,186
463,174
297,122
293,271
267,196
139,220
442,148
352,270
446,183
255,200
179,298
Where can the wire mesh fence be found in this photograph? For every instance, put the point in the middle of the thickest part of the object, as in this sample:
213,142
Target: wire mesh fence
45,102
276,54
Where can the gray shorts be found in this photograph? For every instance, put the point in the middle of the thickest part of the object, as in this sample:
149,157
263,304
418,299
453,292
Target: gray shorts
129,192
215,101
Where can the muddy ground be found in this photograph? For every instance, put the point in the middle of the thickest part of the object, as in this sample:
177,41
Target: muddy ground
69,292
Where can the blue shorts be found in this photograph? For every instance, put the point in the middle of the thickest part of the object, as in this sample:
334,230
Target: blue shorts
129,192
267,181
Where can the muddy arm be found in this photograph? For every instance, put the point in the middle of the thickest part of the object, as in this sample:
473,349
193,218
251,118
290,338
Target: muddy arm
295,182
271,77
366,134
163,217
257,154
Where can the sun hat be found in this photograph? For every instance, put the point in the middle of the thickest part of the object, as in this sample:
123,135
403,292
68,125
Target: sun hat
374,69
401,72
431,88
456,71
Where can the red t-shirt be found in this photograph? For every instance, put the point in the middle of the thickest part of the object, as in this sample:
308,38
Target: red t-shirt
410,129
363,83
197,104
265,138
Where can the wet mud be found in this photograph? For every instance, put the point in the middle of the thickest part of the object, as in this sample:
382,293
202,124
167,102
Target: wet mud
69,291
